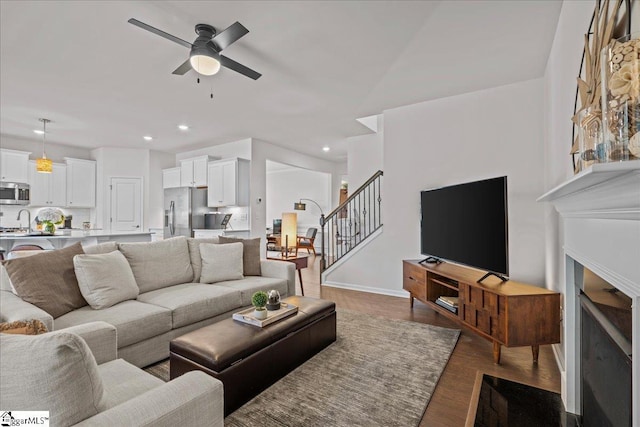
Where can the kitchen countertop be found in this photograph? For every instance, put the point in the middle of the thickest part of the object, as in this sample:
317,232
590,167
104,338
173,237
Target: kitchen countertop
73,234
228,230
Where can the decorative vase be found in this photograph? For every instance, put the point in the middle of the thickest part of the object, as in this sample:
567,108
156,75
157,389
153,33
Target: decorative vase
620,61
273,302
591,146
260,314
49,227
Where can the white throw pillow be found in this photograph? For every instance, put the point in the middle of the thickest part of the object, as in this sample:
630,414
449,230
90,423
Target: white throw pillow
54,372
221,262
105,279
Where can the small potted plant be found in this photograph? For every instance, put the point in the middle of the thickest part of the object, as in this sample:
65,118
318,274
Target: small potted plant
259,301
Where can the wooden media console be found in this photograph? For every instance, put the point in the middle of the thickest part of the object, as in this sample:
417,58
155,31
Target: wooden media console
507,313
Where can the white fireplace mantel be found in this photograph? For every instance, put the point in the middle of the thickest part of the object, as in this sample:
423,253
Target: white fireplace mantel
600,211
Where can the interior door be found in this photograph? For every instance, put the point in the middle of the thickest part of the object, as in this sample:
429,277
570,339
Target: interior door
126,204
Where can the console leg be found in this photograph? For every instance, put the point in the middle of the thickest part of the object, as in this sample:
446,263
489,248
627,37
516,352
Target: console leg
496,352
535,350
411,301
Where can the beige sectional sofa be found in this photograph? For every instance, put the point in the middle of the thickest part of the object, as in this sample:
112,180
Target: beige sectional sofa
94,388
171,300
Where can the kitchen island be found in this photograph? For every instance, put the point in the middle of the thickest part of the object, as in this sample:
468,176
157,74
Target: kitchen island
64,238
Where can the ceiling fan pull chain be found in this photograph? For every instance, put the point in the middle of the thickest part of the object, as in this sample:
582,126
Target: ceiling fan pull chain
211,85
198,80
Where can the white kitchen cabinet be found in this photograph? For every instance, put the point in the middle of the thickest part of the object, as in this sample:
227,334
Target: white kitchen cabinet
171,177
228,182
14,165
193,172
81,183
48,189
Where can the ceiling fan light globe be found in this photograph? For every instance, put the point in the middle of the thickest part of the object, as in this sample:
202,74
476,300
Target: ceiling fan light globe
205,65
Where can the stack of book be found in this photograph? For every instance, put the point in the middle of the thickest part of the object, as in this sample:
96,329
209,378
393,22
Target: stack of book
450,303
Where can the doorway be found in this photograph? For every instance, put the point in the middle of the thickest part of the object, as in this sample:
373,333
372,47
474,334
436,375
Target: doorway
126,204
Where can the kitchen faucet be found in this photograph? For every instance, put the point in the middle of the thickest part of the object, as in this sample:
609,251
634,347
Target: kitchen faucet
28,218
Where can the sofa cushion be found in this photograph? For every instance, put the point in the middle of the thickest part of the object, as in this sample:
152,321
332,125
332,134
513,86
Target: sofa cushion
54,372
47,280
101,248
221,262
122,382
194,254
251,284
134,320
105,279
250,254
159,264
192,302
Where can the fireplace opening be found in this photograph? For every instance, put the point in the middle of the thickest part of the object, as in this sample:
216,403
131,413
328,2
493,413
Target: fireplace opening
606,327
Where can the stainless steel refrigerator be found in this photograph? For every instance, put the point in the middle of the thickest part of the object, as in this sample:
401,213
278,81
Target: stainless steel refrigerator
184,210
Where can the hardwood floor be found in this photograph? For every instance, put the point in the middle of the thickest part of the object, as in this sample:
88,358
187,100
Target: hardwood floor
450,401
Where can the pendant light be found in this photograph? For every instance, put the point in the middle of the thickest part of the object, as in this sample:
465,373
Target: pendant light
44,165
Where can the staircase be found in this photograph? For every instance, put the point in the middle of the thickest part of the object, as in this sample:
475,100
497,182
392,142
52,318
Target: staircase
351,223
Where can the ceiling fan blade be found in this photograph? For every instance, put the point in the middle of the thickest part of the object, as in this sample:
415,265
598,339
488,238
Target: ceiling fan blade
183,69
233,65
232,33
159,32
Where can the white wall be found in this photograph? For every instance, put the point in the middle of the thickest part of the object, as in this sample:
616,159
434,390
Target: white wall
158,160
286,186
365,156
559,96
452,140
119,163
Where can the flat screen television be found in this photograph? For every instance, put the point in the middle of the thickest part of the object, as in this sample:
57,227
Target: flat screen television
277,226
467,224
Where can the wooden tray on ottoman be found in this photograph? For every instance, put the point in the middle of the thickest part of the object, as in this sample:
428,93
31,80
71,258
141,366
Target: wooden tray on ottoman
248,359
246,316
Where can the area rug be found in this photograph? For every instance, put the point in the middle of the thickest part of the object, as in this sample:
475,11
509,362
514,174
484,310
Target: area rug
379,372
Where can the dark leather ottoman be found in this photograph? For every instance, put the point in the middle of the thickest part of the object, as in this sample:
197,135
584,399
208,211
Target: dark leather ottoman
248,359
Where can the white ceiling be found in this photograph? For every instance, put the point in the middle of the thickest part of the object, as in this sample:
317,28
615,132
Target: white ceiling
105,82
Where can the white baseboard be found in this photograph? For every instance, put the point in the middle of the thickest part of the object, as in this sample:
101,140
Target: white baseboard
563,372
390,292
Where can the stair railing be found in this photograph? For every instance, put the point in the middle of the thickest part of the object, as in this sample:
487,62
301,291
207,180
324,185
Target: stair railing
352,222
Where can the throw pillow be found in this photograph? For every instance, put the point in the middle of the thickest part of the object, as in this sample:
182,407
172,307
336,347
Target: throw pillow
23,327
5,281
100,248
105,279
250,254
194,254
221,262
47,280
156,265
54,371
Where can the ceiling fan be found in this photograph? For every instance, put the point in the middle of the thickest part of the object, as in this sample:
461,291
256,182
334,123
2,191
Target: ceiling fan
205,57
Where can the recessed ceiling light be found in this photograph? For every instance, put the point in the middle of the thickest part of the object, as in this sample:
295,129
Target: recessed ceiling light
183,127
38,131
147,138
326,149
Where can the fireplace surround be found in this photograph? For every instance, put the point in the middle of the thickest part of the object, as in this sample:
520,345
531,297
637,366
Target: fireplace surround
600,229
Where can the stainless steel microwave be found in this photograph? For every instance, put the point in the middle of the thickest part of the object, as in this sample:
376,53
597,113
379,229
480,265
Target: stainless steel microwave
14,193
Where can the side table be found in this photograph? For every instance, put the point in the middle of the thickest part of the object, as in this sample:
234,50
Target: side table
300,262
